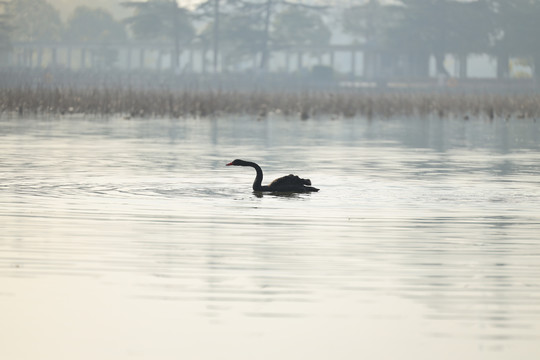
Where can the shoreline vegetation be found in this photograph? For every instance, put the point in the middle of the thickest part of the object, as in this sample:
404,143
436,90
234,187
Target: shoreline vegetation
23,101
159,94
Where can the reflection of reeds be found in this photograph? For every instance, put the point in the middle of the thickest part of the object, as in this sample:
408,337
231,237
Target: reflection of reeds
168,103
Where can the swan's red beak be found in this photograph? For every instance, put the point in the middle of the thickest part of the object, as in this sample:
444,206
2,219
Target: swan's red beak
229,164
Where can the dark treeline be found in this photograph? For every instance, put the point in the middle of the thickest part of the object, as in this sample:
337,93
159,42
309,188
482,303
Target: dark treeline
407,31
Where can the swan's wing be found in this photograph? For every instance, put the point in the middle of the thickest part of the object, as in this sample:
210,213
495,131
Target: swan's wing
290,180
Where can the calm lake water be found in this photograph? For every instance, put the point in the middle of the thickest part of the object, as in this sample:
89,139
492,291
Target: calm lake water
131,239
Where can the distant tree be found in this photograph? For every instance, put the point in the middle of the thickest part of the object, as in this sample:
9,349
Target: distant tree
260,13
33,20
240,37
371,23
162,20
299,27
371,20
263,12
516,23
94,26
212,9
470,29
5,33
439,27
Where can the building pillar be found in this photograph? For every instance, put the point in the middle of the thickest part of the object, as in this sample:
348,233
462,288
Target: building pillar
463,66
68,55
503,61
54,59
19,59
191,59
128,57
83,58
353,63
39,60
160,58
203,60
141,59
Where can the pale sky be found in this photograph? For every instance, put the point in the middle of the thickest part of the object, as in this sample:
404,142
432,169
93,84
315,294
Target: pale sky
66,7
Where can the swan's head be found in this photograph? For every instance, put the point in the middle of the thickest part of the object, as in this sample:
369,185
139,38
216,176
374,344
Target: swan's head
238,162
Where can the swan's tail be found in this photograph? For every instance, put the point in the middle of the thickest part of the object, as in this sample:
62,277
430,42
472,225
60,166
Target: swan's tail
297,179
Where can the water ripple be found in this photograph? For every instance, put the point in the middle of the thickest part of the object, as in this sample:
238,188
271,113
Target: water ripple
441,240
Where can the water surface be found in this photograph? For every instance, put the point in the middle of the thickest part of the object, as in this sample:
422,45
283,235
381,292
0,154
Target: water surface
130,239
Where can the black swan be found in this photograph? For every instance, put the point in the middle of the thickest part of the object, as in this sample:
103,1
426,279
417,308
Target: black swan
290,183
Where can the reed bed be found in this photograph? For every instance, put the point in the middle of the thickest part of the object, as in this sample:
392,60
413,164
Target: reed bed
184,103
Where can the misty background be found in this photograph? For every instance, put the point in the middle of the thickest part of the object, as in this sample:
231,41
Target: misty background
124,235
374,43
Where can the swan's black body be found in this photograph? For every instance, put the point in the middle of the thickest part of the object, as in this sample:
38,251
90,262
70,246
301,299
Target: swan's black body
290,183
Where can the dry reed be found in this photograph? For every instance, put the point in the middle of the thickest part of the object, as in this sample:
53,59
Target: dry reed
184,103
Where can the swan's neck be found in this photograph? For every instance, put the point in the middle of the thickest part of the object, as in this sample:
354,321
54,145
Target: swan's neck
258,179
